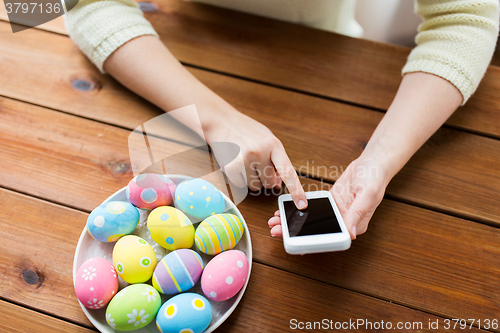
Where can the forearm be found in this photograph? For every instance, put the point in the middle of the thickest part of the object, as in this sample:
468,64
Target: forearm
145,66
422,104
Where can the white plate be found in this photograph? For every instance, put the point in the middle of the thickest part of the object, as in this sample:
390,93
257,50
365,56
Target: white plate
88,248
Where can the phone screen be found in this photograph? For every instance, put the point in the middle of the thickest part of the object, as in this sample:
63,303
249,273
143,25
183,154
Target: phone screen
317,218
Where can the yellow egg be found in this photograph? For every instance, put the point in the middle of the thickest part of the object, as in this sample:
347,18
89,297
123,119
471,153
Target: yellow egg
134,259
171,228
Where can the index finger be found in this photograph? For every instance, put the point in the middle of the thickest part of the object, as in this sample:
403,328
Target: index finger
287,173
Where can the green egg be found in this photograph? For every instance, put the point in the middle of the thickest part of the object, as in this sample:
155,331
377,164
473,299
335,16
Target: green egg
133,307
218,233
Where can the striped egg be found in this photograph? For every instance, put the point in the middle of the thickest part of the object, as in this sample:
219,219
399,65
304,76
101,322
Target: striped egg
218,233
179,271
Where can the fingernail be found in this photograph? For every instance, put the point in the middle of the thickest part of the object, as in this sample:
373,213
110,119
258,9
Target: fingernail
273,235
302,204
354,230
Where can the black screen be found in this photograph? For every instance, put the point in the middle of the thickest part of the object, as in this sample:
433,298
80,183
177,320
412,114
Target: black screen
317,218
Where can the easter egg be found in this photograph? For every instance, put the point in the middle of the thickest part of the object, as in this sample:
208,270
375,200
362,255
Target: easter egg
218,233
134,259
177,272
133,307
225,275
112,220
170,228
184,313
150,190
199,198
96,283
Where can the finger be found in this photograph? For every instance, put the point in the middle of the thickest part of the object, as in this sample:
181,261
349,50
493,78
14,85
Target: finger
276,231
343,187
235,171
253,178
267,174
274,221
289,176
359,214
253,181
277,213
279,180
338,199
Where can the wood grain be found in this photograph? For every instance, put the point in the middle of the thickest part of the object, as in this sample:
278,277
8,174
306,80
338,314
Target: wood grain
52,247
38,245
415,257
16,319
299,58
335,133
56,25
411,256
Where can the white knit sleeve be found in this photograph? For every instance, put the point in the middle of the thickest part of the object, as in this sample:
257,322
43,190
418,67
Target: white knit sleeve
99,27
455,41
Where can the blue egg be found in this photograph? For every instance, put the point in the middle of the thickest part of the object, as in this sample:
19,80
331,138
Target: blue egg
112,220
199,198
186,312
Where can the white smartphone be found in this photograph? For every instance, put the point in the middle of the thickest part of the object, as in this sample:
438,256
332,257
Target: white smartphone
318,228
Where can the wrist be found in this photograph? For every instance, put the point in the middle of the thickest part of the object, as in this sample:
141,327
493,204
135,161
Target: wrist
216,121
387,158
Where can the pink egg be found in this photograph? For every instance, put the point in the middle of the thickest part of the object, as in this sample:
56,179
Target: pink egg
150,190
225,275
96,283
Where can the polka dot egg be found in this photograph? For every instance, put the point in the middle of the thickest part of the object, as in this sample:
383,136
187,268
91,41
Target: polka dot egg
150,190
199,198
134,259
170,228
225,275
218,233
96,283
184,313
112,220
178,271
133,307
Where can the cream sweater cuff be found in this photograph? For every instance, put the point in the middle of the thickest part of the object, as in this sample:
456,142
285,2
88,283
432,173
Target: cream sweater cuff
99,27
445,70
112,42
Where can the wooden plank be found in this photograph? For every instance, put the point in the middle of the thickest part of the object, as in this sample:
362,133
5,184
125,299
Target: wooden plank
411,256
300,297
14,318
416,257
335,134
38,244
56,25
83,149
300,58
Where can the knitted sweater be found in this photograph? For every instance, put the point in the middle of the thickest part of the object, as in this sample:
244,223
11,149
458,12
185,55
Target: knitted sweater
455,41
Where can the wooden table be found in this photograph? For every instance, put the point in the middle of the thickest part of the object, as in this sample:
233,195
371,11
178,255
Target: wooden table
432,251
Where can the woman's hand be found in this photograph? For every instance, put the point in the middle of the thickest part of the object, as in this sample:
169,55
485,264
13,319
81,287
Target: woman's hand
262,161
165,82
422,104
357,193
